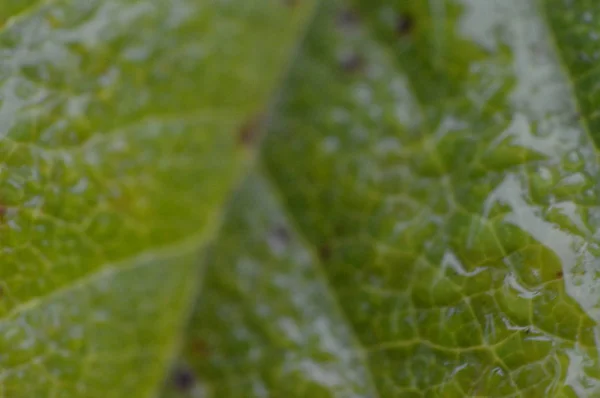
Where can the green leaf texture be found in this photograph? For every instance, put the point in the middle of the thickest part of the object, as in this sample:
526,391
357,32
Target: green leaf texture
124,125
425,220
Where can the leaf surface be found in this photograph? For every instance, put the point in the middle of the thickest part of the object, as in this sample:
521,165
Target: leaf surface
436,166
123,127
266,320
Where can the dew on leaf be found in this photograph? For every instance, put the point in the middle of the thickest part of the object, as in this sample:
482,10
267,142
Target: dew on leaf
363,94
340,115
330,144
278,239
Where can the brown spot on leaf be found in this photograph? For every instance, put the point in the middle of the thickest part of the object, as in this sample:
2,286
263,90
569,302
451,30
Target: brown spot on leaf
405,24
199,348
183,379
324,252
559,275
249,133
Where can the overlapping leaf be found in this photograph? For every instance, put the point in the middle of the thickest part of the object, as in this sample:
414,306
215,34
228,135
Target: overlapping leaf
435,232
423,223
124,125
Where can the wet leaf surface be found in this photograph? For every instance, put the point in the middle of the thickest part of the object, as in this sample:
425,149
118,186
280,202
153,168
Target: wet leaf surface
361,199
119,125
441,209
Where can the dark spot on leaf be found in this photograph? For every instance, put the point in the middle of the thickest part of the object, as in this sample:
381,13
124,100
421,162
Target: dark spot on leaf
278,239
183,379
250,131
325,252
528,330
347,18
3,211
352,63
339,229
199,348
559,275
405,24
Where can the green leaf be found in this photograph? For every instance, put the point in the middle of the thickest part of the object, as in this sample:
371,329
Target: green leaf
425,219
266,314
124,125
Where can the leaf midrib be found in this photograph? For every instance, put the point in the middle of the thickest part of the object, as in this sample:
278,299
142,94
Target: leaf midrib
262,169
320,271
134,261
